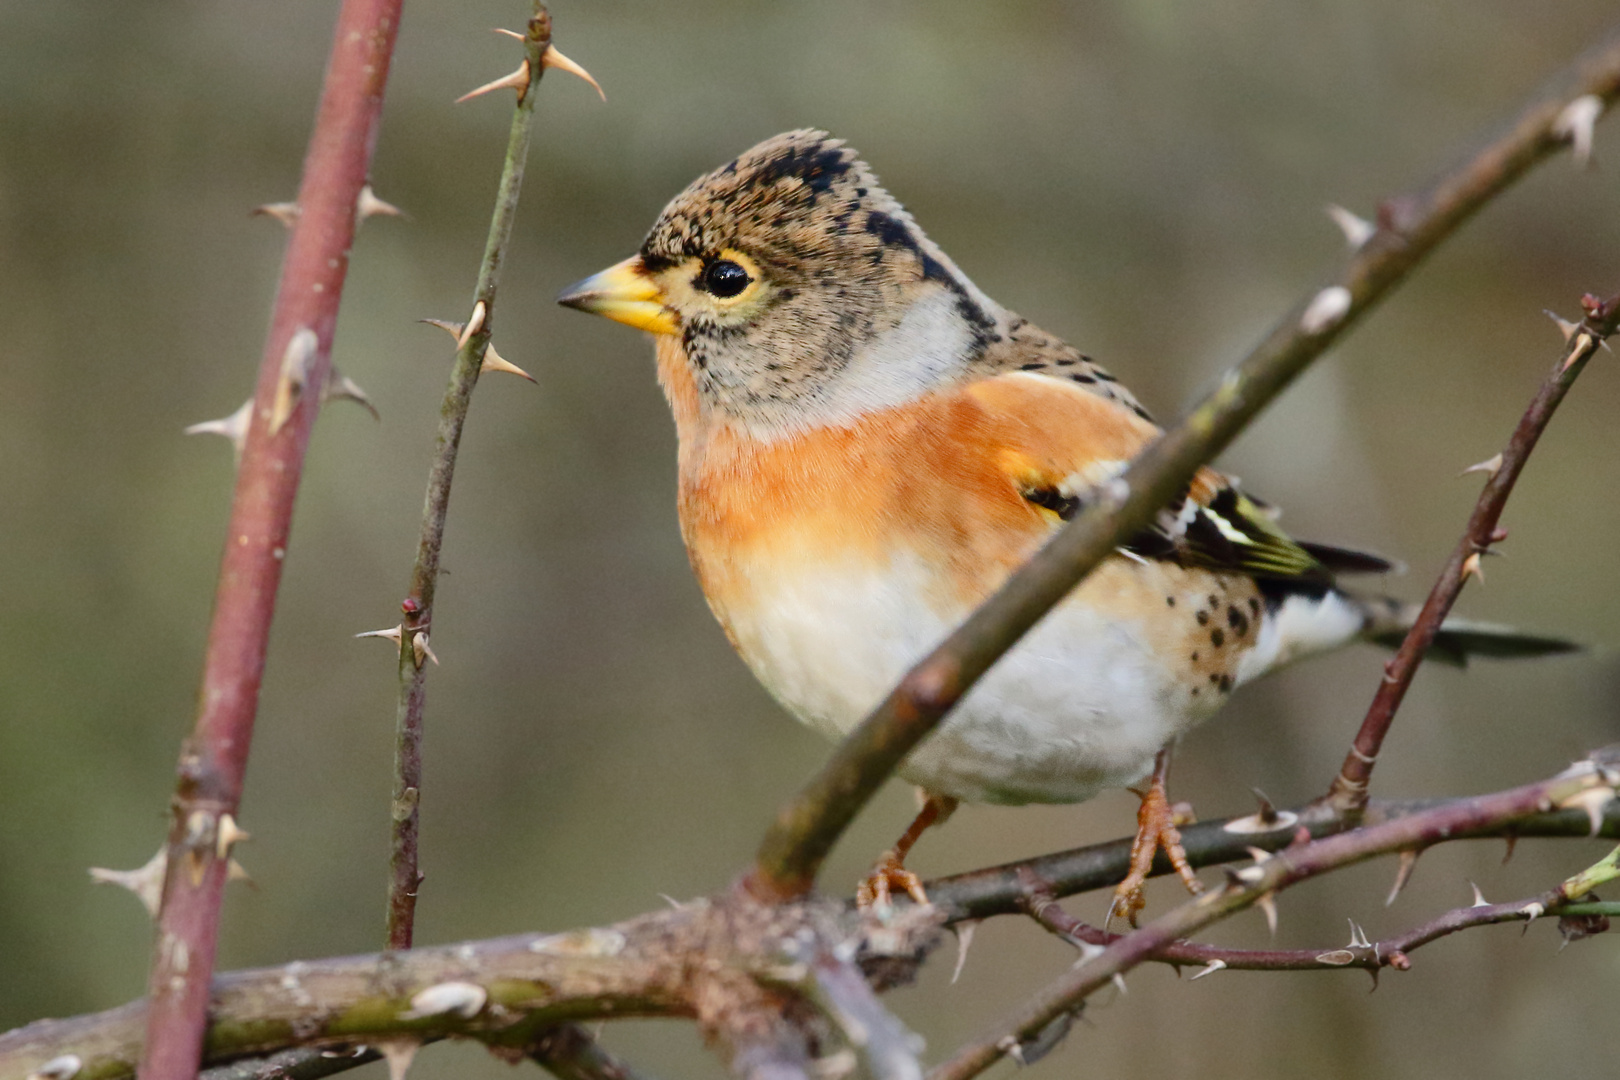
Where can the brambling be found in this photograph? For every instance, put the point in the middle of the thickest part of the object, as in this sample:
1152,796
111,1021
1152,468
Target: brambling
870,445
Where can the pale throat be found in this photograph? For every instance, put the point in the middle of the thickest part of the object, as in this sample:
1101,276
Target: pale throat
930,348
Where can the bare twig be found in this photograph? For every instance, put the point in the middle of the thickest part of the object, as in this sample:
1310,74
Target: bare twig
1000,890
294,369
568,1053
1409,228
1358,954
1348,794
1581,784
417,608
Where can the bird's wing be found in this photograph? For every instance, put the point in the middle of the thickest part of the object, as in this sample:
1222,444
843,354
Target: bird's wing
1023,346
1062,439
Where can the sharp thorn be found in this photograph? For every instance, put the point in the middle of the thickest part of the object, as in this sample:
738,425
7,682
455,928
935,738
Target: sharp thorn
295,364
517,80
284,212
393,633
1403,874
146,882
451,328
1512,839
474,324
1209,969
1267,812
964,931
494,361
233,427
1565,327
228,835
1357,230
1578,123
399,1054
552,58
1268,904
1471,568
1490,466
508,33
235,872
340,387
421,650
1358,936
1479,897
368,206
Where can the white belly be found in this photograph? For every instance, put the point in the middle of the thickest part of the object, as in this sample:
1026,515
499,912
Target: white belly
1079,706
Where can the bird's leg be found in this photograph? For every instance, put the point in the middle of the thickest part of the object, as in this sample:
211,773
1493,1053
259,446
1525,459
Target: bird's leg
890,871
1155,828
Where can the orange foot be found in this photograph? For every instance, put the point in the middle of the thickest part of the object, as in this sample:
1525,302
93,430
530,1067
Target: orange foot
1156,823
888,876
890,873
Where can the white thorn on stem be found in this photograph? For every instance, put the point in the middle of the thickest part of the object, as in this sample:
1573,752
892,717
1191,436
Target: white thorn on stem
1358,936
964,931
1326,309
1471,568
284,212
1533,910
393,633
1403,874
146,882
517,80
1357,230
474,324
369,206
340,387
451,328
1565,327
1593,800
399,1054
1479,897
1490,466
229,835
1578,124
422,651
1268,904
494,361
233,427
1209,969
513,34
552,58
296,359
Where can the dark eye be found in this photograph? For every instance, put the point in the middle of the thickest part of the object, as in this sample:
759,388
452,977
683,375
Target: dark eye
724,278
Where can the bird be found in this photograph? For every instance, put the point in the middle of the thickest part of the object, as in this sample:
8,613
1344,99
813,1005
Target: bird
869,445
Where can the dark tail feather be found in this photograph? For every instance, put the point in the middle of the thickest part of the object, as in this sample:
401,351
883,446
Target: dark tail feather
1342,560
1459,639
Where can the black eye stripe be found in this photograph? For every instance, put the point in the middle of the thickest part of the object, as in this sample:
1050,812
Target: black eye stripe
724,278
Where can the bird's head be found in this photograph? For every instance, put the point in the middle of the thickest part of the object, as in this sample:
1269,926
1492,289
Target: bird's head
800,291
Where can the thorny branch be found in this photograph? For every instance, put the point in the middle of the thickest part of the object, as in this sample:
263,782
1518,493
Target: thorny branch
1408,228
1583,785
1348,794
292,376
758,978
473,344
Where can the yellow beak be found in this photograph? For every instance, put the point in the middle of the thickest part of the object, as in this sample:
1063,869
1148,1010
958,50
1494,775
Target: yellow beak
624,293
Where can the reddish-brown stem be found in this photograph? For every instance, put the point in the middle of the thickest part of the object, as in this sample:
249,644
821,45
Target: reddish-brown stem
213,760
1348,794
1358,954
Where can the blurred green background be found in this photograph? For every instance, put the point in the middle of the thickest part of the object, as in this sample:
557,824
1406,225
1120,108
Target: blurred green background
1146,179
